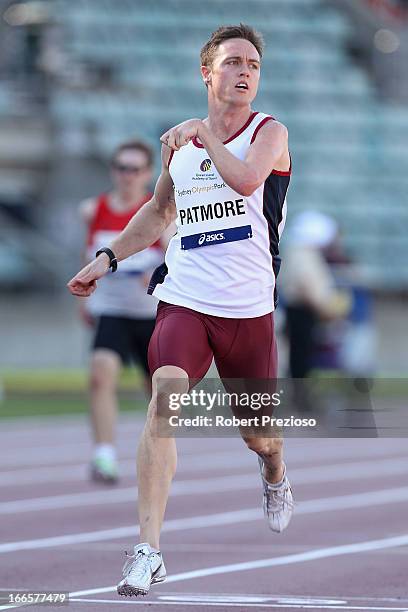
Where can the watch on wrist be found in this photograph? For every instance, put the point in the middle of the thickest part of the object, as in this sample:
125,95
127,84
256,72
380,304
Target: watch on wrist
113,262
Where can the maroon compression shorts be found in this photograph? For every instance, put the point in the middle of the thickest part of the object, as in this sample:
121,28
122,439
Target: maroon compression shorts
242,348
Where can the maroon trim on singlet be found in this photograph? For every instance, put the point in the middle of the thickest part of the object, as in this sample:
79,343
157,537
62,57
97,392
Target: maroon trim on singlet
254,135
170,158
258,127
244,127
284,172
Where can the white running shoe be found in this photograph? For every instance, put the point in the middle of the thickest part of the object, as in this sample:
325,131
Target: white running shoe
277,501
143,568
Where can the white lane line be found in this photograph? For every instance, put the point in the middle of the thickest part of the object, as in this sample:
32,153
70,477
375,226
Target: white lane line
342,502
128,494
251,598
60,454
224,459
280,606
236,482
311,555
79,471
273,597
60,449
63,453
195,603
244,598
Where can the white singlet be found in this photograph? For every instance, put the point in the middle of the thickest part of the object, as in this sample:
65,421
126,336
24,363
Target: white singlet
224,259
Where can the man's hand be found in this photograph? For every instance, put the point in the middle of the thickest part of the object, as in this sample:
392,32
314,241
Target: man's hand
84,283
181,134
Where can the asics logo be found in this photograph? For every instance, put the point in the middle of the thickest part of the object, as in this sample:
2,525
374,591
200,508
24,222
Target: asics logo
210,238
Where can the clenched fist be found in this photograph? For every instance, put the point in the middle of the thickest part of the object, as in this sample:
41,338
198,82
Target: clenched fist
181,134
84,283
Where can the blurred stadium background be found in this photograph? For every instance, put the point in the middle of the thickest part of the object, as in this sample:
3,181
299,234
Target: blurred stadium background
77,77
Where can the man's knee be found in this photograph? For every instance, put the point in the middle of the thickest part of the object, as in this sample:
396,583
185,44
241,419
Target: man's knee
169,382
264,446
104,369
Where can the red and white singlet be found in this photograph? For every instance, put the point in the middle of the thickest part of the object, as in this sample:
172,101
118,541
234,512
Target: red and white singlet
124,292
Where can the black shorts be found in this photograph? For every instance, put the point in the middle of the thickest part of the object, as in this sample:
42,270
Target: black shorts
127,337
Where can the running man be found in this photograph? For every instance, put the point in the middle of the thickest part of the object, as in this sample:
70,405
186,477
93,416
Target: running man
122,312
224,180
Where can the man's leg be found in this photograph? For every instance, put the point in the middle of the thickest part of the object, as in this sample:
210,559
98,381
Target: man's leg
110,351
104,373
180,338
271,452
277,493
142,331
157,455
156,467
245,349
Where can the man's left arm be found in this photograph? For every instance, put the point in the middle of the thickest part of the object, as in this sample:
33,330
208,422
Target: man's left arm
244,176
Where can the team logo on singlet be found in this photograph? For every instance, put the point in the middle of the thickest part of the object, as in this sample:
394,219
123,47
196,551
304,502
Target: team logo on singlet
205,165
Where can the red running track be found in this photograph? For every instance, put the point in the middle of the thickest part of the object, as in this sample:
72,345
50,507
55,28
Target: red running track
345,549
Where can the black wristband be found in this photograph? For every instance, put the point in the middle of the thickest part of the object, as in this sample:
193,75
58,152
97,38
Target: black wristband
112,258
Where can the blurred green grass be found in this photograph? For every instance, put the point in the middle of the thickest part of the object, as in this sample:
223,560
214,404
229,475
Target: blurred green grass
60,380
30,393
11,408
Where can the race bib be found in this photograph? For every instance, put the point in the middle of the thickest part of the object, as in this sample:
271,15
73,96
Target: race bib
213,223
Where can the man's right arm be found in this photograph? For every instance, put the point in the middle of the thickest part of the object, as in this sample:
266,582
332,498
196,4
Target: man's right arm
149,223
143,229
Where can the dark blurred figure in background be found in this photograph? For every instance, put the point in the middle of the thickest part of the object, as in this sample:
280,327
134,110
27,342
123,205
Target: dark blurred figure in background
353,339
309,288
329,326
121,311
